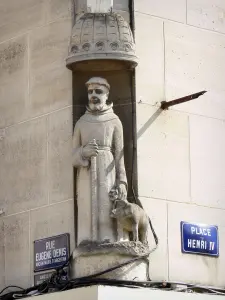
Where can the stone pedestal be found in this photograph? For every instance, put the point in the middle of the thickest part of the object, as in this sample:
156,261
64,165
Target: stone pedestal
91,258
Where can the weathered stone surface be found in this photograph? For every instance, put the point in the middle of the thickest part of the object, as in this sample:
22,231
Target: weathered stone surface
17,250
157,211
60,168
124,14
195,61
92,264
50,81
52,220
173,9
23,152
91,258
101,41
13,80
2,255
207,148
121,5
163,154
150,50
17,17
121,247
198,268
81,5
209,14
59,9
96,6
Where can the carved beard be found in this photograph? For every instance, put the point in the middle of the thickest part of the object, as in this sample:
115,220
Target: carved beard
97,106
97,103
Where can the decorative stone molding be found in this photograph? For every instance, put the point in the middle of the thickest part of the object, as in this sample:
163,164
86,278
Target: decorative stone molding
101,36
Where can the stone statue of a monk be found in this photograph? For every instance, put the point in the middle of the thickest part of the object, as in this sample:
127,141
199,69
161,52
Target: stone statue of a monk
98,135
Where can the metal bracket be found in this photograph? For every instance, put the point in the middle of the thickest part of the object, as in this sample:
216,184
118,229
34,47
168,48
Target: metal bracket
165,104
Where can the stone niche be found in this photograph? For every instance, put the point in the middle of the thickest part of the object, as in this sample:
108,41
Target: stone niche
123,105
102,45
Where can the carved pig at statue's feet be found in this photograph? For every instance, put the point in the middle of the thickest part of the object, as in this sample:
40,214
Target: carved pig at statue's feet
131,218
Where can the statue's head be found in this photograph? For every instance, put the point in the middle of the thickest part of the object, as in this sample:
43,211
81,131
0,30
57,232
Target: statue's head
98,93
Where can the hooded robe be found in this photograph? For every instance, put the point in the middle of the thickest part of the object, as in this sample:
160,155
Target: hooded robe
106,128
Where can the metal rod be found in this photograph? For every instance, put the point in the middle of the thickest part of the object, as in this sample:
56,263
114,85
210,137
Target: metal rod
165,104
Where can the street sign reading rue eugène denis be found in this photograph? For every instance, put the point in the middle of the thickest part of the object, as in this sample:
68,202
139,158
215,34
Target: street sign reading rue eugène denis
51,252
199,239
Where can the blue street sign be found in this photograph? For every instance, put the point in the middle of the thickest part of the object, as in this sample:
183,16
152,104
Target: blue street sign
199,239
51,253
40,278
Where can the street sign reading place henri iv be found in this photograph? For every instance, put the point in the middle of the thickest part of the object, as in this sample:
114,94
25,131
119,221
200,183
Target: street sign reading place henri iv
52,252
199,239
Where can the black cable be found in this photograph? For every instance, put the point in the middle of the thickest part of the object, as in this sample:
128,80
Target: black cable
90,281
11,286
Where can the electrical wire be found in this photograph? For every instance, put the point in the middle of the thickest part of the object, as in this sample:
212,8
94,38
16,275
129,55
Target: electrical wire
11,286
55,283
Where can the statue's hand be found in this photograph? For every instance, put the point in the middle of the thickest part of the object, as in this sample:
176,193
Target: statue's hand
91,149
122,191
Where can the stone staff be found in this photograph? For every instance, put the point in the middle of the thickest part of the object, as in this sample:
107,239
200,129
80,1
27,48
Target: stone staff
94,204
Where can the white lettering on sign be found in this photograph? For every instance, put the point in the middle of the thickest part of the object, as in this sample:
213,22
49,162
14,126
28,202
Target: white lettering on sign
59,252
44,258
211,246
50,245
200,231
43,263
198,244
57,260
43,255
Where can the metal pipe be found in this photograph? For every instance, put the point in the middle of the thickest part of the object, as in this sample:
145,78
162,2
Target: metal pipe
165,104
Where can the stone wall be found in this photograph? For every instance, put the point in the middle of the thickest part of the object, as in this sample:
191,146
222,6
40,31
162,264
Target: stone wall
181,162
180,151
36,175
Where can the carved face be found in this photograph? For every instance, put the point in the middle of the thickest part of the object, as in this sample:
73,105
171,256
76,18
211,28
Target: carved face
97,96
113,194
